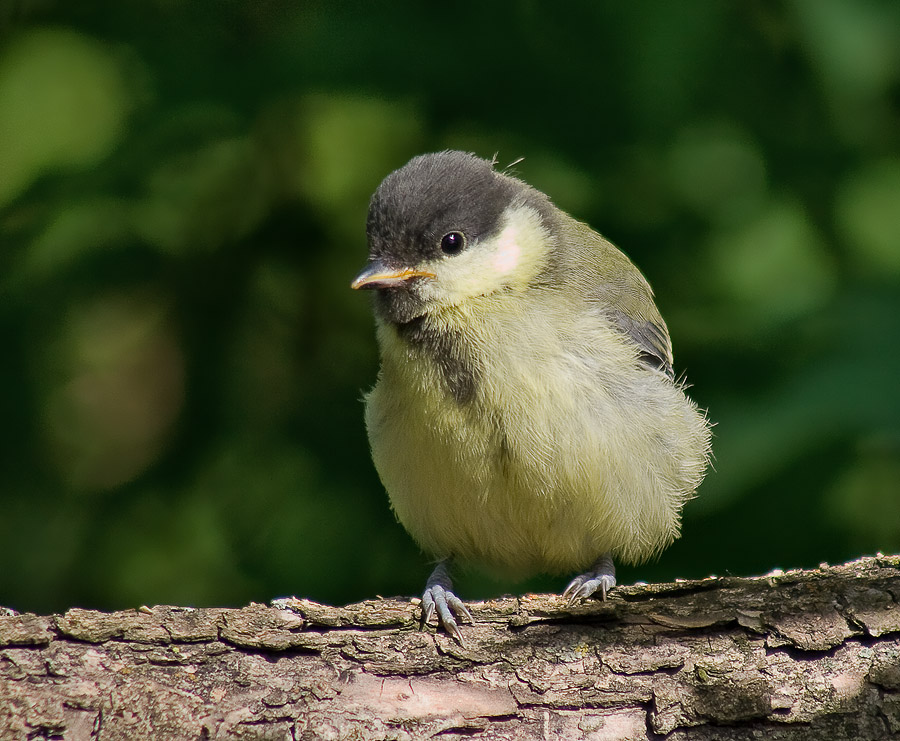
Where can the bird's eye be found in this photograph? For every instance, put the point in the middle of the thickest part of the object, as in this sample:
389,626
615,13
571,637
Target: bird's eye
453,243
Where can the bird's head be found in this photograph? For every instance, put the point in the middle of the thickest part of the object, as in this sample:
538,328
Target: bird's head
447,228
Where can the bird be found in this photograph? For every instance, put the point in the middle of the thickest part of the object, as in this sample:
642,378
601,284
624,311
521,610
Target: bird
526,417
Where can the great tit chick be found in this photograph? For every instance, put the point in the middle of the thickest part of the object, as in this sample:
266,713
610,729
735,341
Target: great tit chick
526,416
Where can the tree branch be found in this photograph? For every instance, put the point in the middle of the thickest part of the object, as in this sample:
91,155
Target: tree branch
795,655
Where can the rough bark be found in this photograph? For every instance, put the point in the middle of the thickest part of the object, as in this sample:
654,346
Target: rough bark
795,655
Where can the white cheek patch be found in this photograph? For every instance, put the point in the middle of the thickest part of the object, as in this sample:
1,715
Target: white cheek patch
508,252
509,260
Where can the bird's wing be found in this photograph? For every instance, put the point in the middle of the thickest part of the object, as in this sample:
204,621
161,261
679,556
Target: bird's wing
622,294
651,337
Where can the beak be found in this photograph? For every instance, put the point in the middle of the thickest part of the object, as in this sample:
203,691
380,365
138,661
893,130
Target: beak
377,275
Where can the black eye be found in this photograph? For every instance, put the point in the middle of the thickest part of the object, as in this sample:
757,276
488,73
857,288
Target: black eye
453,243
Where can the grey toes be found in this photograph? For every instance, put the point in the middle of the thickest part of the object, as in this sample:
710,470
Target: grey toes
601,578
585,585
449,607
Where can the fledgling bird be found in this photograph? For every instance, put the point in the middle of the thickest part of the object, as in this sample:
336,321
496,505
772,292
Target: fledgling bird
526,416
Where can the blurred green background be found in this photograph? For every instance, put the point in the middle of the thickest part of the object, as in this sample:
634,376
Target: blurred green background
183,191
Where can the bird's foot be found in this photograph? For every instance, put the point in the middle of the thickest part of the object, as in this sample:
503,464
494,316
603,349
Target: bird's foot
439,598
601,577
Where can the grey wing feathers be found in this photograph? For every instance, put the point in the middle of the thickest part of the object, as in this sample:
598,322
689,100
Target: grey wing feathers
622,293
653,341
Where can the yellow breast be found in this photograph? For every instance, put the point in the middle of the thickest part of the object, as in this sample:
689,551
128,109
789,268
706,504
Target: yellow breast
559,456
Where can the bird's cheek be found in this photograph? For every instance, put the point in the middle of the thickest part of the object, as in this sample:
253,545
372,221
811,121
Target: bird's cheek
508,253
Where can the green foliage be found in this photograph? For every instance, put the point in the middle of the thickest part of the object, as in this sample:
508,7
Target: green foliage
183,190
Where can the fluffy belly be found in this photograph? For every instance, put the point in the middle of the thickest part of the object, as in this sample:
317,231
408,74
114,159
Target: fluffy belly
524,493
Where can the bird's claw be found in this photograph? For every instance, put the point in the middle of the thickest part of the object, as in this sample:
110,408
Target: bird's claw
448,607
601,578
585,585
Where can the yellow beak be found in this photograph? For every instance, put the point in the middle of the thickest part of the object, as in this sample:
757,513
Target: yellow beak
378,275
